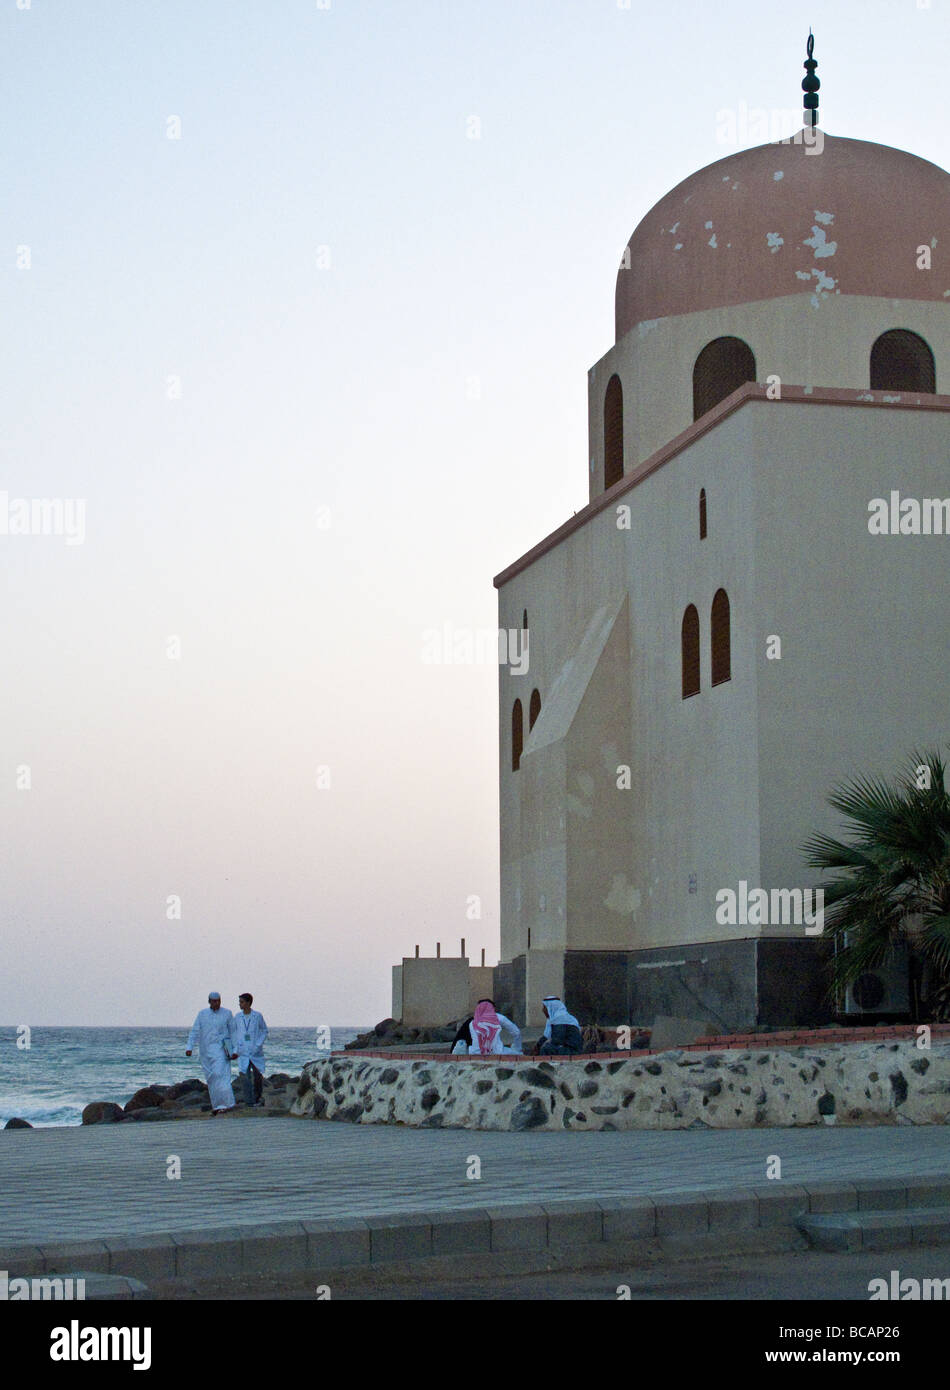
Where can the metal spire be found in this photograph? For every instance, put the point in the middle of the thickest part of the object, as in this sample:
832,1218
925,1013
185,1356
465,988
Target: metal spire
810,84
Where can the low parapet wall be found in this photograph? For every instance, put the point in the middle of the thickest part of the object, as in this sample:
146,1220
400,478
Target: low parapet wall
879,1083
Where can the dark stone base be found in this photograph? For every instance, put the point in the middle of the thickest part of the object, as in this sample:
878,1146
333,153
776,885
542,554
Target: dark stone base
732,985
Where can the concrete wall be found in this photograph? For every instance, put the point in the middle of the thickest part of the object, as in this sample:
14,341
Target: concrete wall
863,619
434,990
824,345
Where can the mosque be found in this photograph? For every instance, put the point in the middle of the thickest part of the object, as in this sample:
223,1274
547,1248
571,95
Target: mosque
732,624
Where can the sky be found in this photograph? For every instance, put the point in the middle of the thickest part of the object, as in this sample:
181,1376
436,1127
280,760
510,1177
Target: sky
298,305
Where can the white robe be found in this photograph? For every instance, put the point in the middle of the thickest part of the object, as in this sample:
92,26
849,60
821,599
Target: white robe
248,1035
211,1031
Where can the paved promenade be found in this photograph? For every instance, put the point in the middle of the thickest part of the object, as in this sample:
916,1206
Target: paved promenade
111,1181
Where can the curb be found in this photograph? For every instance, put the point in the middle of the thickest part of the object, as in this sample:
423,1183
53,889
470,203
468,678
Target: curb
776,1214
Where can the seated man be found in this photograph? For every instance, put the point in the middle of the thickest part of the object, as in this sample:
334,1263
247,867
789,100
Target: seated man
562,1033
485,1030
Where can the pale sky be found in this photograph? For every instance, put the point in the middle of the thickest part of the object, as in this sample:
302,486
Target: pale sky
317,371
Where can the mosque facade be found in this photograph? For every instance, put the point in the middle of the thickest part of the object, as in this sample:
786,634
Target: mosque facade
744,614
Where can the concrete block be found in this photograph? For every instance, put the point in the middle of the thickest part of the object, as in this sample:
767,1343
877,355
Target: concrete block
460,1232
928,1192
518,1228
401,1236
885,1231
831,1196
85,1254
629,1218
109,1287
574,1223
730,1211
20,1261
333,1244
880,1194
681,1214
781,1204
668,1032
273,1247
834,1233
199,1255
142,1257
929,1227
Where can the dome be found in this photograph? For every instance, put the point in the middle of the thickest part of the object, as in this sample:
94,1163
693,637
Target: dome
785,219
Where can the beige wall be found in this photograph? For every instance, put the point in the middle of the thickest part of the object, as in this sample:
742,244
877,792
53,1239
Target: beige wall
805,346
480,984
864,620
727,784
435,990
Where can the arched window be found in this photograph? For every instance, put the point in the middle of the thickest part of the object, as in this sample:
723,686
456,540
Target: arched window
702,513
690,645
517,736
613,432
721,367
720,640
902,361
534,709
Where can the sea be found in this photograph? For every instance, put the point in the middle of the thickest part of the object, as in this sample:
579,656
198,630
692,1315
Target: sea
49,1081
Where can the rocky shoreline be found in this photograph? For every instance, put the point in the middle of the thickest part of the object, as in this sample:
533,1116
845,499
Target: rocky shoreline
185,1100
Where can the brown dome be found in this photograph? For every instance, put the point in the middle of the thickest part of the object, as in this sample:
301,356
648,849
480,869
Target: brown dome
785,219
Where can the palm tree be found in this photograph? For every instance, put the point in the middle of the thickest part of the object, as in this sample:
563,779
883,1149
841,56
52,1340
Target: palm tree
893,883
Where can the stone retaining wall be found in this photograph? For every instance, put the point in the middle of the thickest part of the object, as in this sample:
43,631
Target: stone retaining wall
882,1083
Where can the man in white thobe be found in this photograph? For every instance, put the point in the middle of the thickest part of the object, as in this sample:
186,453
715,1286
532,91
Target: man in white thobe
248,1034
211,1030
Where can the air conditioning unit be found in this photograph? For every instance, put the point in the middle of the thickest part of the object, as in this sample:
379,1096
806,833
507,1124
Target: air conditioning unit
883,990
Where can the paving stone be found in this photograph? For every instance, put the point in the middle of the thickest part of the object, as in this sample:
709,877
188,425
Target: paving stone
928,1192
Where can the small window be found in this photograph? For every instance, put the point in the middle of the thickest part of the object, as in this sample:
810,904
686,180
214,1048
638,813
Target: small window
702,514
902,361
534,709
613,432
721,367
517,736
721,641
690,652
524,620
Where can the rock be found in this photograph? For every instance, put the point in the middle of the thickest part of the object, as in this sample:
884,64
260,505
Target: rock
101,1112
898,1087
17,1123
430,1098
387,1026
145,1099
186,1088
826,1104
529,1114
535,1077
149,1113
